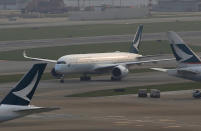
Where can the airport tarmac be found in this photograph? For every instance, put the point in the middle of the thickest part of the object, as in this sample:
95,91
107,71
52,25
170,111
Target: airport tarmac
175,111
191,37
105,113
73,86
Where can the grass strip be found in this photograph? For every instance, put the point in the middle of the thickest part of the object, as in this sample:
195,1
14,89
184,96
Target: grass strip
146,48
25,33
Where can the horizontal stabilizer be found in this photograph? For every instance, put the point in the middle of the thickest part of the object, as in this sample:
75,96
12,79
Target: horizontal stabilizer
160,69
36,110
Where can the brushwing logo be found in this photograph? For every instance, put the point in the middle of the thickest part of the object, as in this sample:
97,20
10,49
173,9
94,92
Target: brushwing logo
137,39
184,56
23,93
136,43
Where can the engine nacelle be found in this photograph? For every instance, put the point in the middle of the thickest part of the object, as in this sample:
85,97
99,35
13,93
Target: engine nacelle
55,74
119,72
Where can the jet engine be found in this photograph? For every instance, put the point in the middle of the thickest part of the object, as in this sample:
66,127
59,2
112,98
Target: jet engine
119,72
55,74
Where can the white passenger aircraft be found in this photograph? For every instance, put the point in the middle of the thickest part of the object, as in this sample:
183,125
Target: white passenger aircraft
117,63
16,103
189,64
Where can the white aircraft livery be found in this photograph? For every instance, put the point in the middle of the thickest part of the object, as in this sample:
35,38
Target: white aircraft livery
16,103
116,63
189,64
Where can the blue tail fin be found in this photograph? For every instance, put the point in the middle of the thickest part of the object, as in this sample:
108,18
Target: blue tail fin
24,90
136,41
181,51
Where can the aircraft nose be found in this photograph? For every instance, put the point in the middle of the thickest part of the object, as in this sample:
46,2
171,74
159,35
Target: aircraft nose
60,68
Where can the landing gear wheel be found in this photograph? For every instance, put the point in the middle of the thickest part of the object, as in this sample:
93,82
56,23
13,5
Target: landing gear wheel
62,81
85,78
115,79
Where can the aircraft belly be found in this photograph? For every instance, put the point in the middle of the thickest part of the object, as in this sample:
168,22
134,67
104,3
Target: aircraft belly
185,75
192,77
80,68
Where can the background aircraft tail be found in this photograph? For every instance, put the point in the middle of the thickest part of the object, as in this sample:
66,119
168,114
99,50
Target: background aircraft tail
182,52
136,41
23,92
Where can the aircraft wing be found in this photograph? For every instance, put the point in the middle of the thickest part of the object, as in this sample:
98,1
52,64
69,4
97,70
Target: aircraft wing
148,56
36,110
146,61
38,59
106,67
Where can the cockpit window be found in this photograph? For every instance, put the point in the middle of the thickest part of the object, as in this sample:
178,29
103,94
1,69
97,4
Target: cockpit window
61,62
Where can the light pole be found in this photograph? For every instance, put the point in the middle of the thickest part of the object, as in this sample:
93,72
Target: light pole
78,4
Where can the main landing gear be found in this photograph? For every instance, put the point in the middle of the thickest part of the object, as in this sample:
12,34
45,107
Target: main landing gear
85,78
62,79
115,79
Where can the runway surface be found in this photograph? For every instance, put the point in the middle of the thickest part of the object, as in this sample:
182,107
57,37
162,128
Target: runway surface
175,111
46,22
193,37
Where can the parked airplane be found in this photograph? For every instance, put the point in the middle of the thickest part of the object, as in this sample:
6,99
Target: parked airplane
189,64
16,103
117,63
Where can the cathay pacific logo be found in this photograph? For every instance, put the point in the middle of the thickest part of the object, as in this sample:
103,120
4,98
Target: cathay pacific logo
183,55
137,39
27,90
136,43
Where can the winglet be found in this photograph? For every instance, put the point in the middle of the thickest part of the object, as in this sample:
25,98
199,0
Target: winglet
24,90
136,41
24,54
37,59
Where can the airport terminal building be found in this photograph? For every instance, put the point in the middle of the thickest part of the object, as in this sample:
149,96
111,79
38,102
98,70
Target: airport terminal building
13,4
178,6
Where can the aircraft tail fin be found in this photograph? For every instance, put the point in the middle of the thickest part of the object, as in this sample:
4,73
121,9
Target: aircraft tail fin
136,41
181,51
23,92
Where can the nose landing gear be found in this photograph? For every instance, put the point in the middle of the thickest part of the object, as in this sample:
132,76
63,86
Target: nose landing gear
57,75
